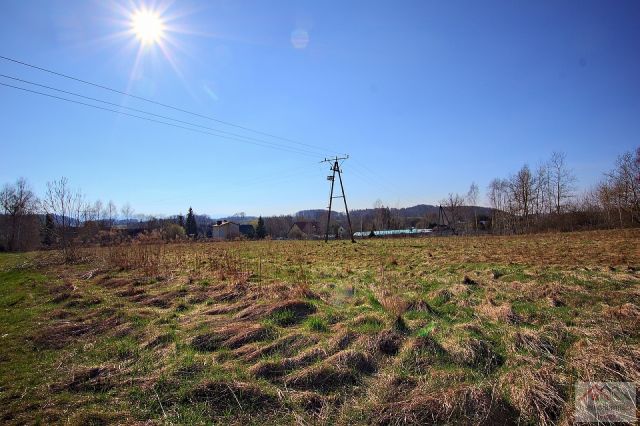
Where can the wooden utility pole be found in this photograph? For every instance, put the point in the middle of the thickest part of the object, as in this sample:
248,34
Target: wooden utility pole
335,168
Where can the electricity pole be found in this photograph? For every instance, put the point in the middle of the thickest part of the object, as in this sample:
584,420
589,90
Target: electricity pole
335,168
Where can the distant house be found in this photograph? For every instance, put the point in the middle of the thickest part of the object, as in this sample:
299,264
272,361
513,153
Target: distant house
305,229
247,230
225,230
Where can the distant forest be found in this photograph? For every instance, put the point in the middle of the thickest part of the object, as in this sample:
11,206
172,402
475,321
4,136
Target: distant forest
539,199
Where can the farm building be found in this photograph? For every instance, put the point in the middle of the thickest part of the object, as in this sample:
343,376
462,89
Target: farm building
225,230
305,229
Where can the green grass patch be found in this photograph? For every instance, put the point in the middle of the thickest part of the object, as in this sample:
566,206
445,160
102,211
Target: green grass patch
316,324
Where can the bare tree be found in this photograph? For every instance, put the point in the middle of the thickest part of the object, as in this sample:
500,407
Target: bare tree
624,183
542,203
472,199
111,213
98,210
378,214
453,203
562,180
17,202
499,194
606,201
65,205
522,185
127,213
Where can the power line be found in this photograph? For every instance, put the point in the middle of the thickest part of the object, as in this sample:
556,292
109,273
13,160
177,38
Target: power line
283,148
153,114
372,175
155,102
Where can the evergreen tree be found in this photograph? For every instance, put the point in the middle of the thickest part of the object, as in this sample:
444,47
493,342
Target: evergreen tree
191,226
261,232
49,229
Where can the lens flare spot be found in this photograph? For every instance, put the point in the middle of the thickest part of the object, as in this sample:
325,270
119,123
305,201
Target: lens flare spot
299,38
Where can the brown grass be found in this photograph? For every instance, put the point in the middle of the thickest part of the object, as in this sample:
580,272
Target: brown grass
432,330
536,391
457,405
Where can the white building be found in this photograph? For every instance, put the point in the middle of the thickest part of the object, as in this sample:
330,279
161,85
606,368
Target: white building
225,230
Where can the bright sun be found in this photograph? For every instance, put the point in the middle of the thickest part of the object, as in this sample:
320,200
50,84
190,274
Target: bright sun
147,26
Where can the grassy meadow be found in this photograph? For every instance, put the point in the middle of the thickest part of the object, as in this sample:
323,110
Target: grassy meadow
458,330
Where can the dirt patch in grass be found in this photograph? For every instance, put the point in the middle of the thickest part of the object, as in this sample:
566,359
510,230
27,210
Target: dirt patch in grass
389,342
469,281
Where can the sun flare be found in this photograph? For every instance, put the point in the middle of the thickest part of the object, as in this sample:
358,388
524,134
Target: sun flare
147,26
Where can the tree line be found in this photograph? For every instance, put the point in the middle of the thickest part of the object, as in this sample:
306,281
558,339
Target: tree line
545,198
65,219
530,200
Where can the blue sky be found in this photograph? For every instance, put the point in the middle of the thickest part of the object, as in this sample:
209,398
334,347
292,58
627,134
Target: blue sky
425,96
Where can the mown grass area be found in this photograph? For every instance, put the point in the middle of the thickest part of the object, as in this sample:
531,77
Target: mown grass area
474,330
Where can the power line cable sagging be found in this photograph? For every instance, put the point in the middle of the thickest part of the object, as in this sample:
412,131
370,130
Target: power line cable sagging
219,133
285,144
280,147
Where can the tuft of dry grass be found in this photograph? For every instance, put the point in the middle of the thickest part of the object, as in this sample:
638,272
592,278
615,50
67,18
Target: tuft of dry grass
602,358
498,312
474,352
455,405
536,391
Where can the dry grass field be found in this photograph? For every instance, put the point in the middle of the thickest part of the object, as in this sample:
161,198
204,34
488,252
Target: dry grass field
459,330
